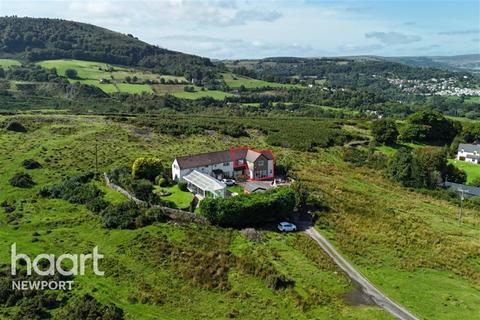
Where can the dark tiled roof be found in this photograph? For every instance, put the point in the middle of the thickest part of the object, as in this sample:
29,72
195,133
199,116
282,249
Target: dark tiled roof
470,148
469,190
211,158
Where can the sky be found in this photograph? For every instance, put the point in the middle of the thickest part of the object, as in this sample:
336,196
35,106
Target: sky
239,29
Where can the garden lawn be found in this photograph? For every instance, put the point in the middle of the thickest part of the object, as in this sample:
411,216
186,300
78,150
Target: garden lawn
181,198
472,170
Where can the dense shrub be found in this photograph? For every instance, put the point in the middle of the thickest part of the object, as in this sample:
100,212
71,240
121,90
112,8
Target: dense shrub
73,189
71,73
31,164
22,180
163,182
121,216
244,210
142,189
87,308
183,186
430,127
147,168
97,205
15,126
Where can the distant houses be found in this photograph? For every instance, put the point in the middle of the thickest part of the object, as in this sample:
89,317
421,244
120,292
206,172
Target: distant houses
241,162
469,153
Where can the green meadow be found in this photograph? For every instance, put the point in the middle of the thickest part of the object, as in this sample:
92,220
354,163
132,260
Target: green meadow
236,81
146,282
6,63
408,244
472,170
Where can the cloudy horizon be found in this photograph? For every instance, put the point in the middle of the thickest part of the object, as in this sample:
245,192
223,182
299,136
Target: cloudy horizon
223,29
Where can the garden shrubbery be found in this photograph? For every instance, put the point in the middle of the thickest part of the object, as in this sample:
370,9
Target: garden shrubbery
22,180
147,168
245,210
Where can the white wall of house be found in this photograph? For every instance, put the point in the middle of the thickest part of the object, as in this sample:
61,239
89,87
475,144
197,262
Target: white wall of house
270,167
226,167
463,156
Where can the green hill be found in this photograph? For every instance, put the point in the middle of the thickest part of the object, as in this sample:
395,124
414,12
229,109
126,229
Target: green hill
34,39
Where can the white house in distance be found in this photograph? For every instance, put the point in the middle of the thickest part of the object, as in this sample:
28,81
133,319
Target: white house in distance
469,153
236,162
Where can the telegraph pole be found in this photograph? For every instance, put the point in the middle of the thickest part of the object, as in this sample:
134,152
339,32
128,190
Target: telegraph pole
96,156
462,196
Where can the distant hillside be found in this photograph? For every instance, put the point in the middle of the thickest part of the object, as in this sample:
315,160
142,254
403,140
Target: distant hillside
327,68
34,39
470,62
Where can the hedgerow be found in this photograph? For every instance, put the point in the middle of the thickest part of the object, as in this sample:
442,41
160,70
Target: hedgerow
244,210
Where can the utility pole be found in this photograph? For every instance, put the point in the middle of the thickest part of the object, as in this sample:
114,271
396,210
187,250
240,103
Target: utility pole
462,196
96,156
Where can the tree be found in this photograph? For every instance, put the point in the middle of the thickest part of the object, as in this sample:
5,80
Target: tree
147,168
400,167
22,180
429,166
385,131
71,73
431,127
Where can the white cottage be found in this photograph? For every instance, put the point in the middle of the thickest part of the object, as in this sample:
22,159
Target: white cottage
469,153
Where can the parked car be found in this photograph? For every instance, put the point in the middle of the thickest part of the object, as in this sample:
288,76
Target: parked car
229,182
286,227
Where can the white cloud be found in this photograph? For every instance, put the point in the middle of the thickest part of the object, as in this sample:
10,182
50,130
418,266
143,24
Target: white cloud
392,38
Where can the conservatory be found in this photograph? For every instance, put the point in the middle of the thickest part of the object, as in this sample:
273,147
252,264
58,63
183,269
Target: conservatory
204,185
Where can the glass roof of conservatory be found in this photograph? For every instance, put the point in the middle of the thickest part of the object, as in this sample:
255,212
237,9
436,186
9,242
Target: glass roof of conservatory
204,181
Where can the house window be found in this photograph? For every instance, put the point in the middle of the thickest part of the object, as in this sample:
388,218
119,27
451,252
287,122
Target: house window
240,161
226,164
260,162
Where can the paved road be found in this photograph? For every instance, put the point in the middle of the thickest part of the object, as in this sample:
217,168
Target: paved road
378,297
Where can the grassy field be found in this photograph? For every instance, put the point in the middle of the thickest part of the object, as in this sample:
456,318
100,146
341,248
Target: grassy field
472,170
6,63
408,244
146,281
215,94
236,81
181,198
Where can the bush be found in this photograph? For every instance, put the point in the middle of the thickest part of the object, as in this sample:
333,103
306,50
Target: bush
121,216
147,168
8,205
163,182
15,126
22,180
31,164
73,189
142,189
71,73
86,307
97,205
245,210
183,186
476,182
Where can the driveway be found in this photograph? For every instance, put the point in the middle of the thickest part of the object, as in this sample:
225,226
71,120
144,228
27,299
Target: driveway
368,288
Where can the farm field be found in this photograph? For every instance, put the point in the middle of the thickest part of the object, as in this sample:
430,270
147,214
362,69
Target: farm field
399,239
6,63
236,81
197,94
136,280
